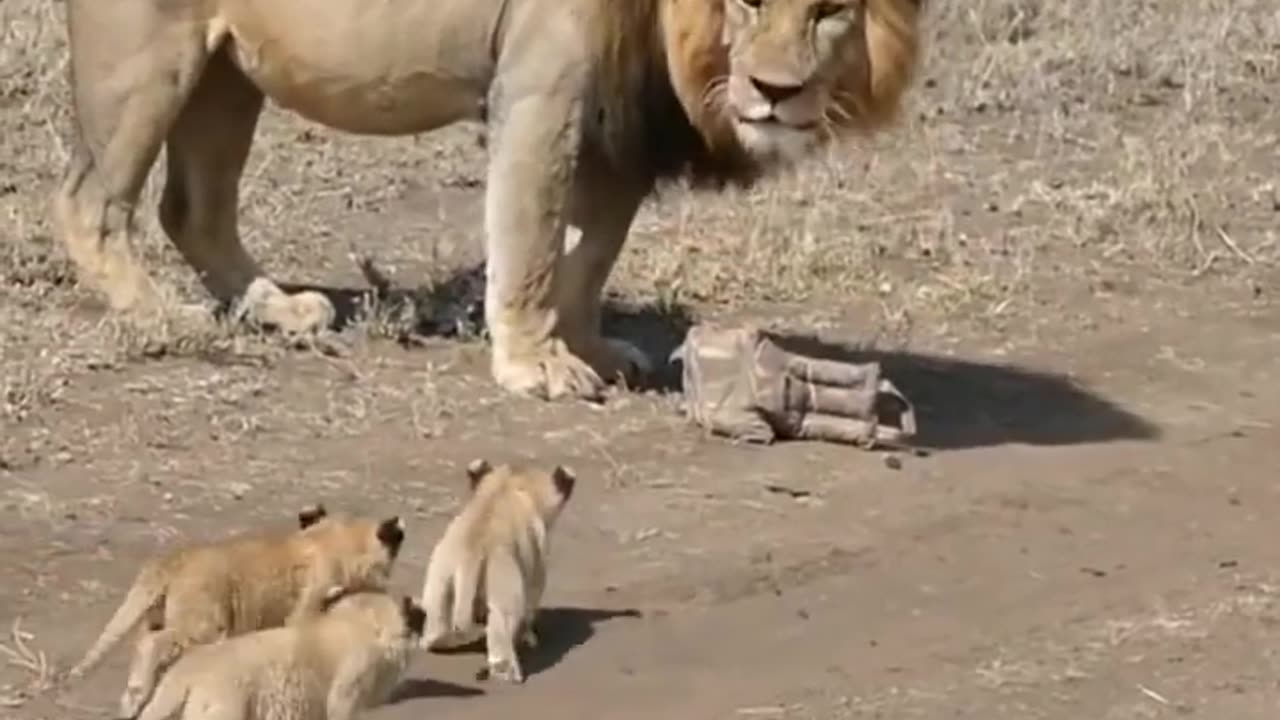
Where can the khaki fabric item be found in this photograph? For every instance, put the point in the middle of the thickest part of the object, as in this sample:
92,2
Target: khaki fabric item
740,384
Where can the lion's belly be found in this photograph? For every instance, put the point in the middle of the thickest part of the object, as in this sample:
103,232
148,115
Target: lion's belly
367,66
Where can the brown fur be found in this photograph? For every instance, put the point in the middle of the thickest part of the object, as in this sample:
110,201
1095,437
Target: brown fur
491,562
199,594
329,667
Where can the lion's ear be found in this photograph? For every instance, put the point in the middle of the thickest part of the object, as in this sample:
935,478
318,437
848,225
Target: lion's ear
311,515
564,479
476,471
390,533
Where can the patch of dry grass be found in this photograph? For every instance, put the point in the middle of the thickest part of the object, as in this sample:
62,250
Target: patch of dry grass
33,663
1095,137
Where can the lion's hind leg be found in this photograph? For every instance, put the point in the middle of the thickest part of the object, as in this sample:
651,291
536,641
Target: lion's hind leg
131,72
206,153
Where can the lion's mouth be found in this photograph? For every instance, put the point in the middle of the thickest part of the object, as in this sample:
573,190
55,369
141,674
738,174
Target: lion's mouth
773,122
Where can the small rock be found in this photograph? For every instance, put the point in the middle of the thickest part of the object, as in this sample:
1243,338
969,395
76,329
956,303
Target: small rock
893,462
239,489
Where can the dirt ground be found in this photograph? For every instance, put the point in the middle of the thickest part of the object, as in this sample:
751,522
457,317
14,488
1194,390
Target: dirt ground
1066,256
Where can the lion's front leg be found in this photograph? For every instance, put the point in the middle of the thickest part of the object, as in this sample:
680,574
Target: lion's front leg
534,143
603,209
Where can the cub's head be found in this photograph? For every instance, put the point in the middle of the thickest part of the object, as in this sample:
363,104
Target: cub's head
548,489
393,620
782,77
363,548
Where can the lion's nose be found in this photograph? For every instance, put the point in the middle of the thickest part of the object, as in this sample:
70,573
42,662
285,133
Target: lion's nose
776,91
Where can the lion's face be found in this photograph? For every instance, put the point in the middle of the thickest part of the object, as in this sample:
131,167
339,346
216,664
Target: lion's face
788,62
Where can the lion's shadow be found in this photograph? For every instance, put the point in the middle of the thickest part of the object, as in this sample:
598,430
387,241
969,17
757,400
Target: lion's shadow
967,404
560,630
454,307
423,687
959,403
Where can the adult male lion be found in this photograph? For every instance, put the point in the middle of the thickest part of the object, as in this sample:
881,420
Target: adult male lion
588,102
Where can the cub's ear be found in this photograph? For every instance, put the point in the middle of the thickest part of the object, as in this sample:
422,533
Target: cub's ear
311,515
476,470
391,534
564,480
414,616
331,596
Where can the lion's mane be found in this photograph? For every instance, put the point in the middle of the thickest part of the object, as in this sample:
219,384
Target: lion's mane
657,58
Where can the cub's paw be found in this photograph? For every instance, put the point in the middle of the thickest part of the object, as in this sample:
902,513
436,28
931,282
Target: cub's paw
131,702
501,670
551,372
303,313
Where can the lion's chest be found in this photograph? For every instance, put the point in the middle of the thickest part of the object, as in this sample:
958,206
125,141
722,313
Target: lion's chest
367,66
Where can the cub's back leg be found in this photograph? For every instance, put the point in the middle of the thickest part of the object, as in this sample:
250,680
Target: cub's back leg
199,208
133,65
193,616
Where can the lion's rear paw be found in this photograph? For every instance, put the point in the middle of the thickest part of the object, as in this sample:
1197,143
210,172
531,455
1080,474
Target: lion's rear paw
306,312
550,373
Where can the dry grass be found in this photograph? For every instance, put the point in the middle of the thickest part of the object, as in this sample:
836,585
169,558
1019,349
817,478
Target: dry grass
32,662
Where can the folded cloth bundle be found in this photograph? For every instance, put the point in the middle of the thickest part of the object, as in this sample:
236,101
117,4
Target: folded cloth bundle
740,384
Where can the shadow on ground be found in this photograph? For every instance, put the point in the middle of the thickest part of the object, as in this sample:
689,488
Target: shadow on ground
967,404
454,308
560,630
959,403
414,688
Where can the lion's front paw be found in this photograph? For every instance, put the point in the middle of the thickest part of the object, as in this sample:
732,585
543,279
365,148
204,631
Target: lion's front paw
302,313
551,373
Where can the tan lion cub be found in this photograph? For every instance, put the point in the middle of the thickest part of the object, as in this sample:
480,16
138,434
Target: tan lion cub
328,667
492,563
198,594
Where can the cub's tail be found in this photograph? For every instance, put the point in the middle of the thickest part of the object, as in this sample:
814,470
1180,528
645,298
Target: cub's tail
145,596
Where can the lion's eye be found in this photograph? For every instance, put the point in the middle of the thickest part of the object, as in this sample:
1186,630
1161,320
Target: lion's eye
824,10
753,4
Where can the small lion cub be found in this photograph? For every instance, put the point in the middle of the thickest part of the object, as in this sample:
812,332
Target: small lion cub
205,592
491,563
328,667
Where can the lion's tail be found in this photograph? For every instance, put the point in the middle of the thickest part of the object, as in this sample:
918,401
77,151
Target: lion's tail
145,595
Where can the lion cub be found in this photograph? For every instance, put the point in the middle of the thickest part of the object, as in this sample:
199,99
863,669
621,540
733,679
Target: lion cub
328,667
490,565
198,594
